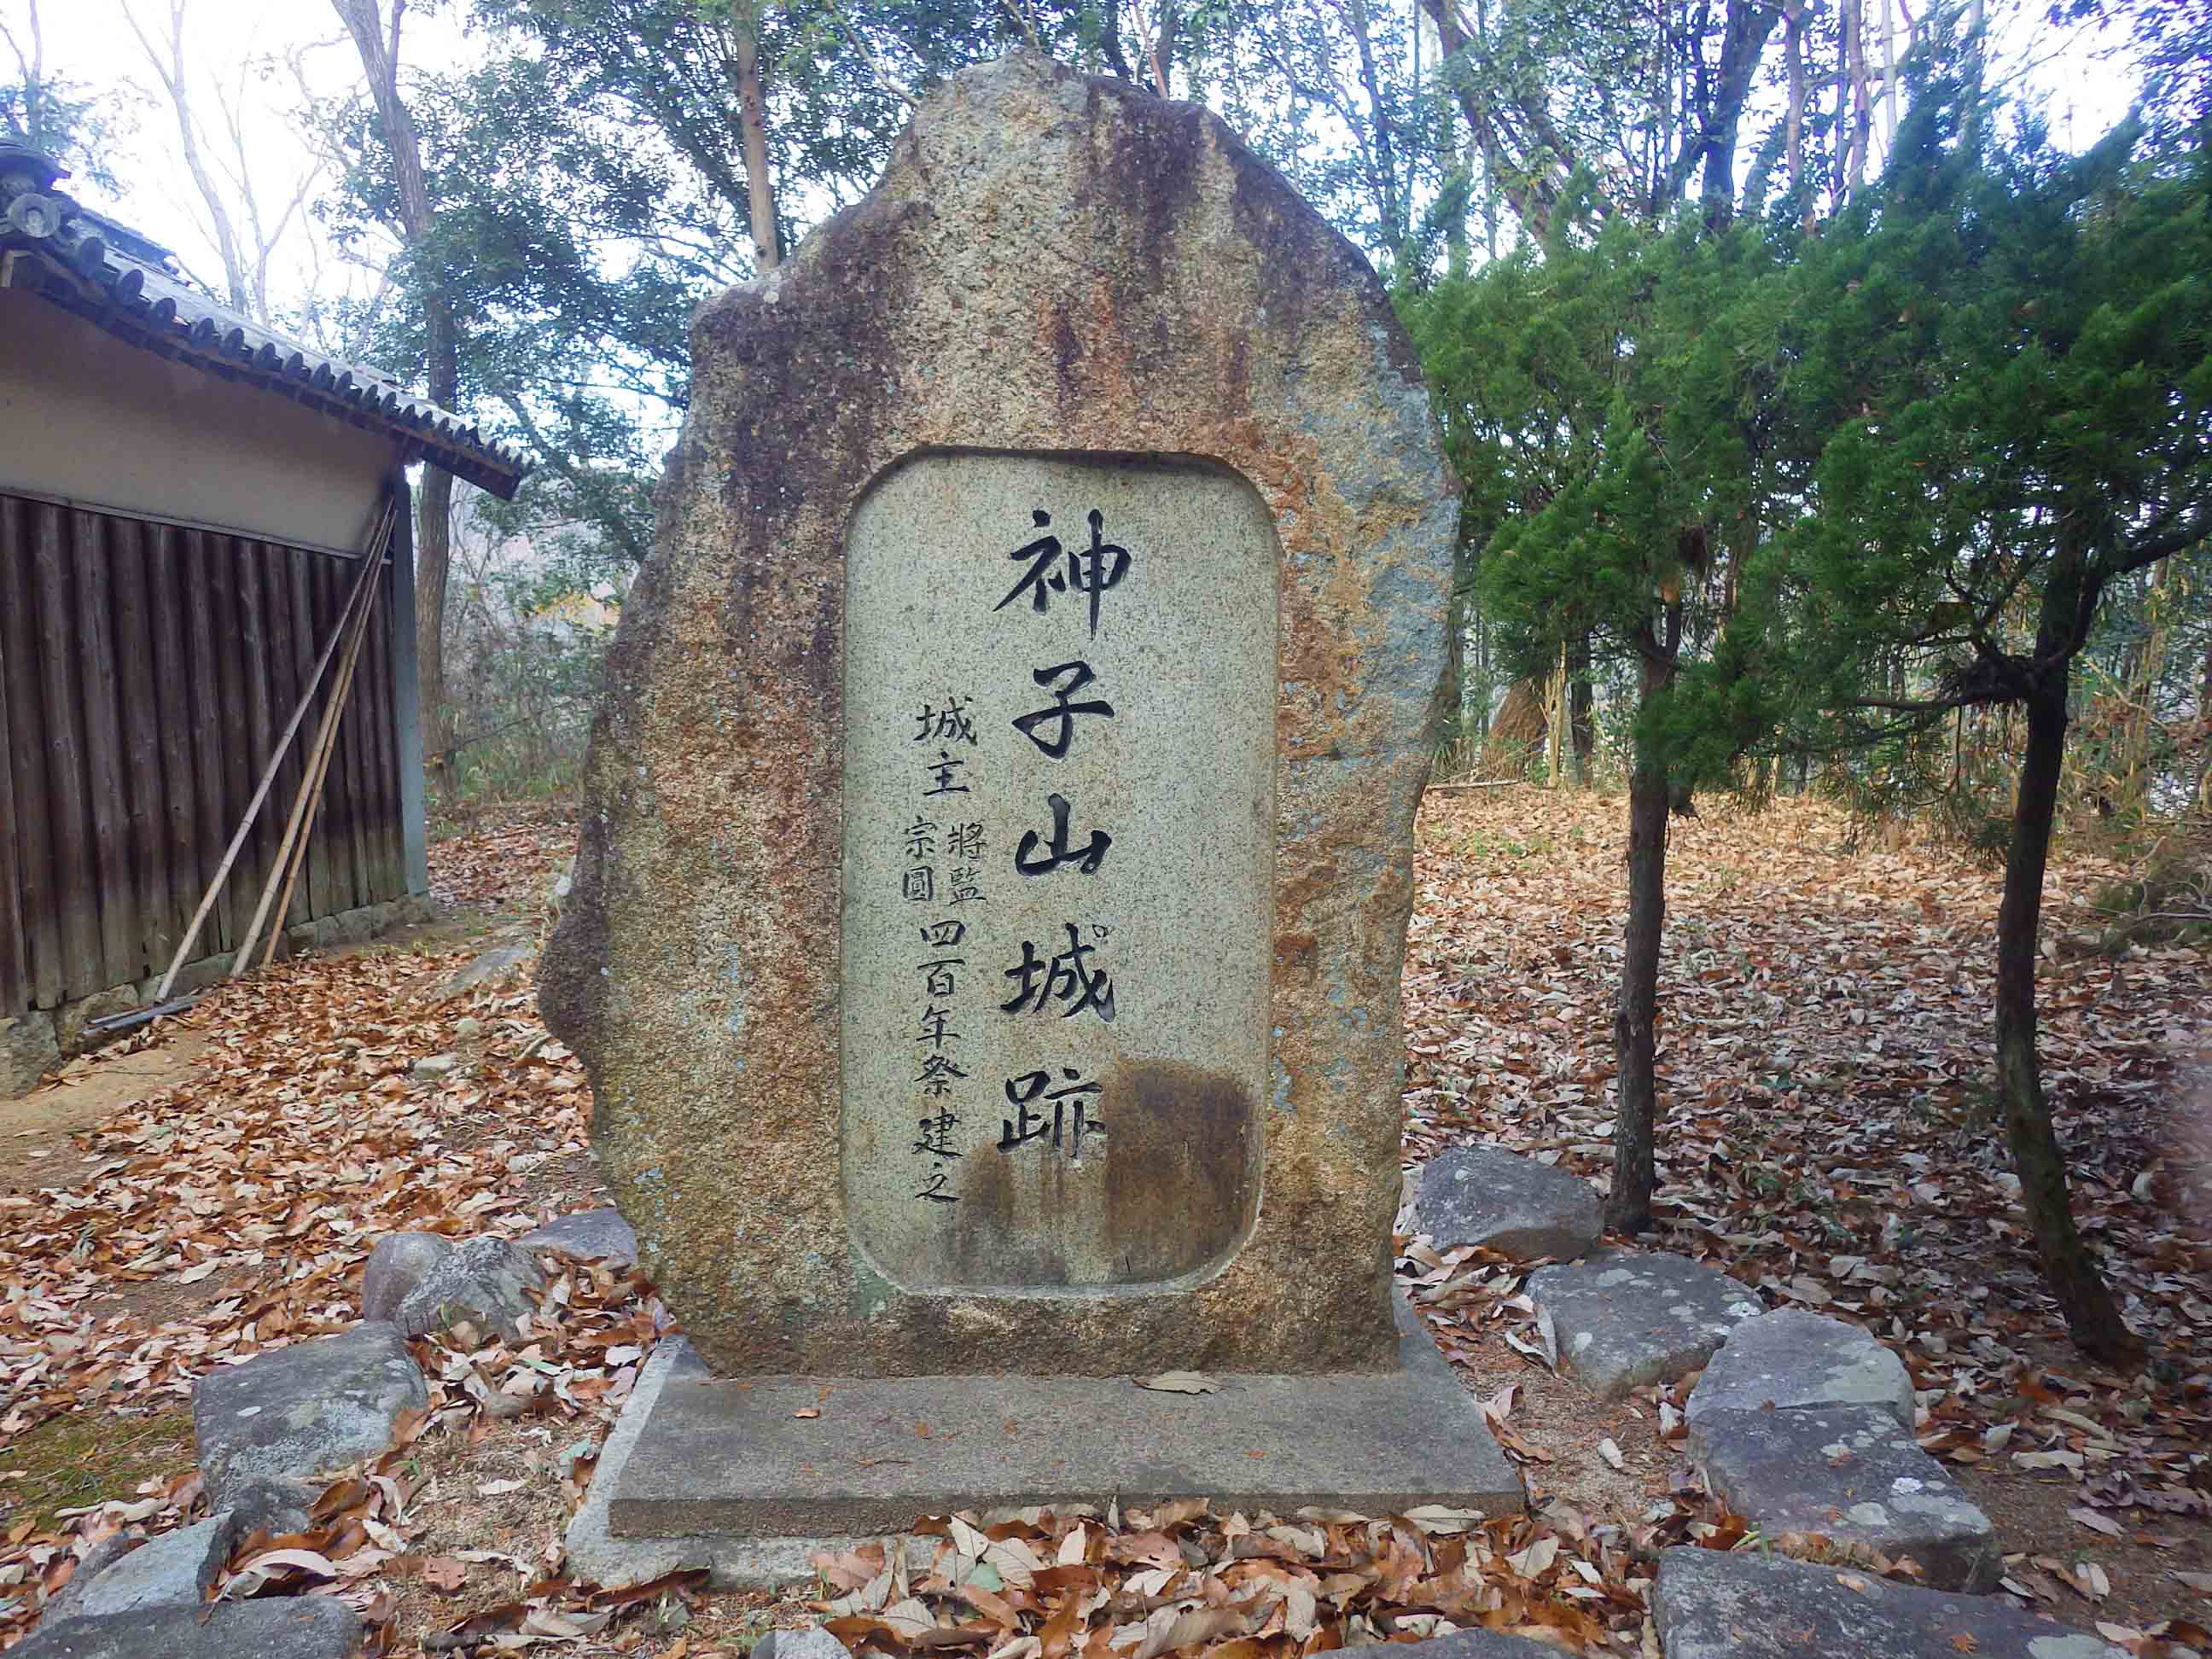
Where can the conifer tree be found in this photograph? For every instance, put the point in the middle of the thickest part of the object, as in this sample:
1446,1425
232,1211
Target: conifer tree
2006,375
1610,404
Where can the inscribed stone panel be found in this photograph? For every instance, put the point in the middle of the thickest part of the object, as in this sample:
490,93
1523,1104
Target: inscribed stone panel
1059,689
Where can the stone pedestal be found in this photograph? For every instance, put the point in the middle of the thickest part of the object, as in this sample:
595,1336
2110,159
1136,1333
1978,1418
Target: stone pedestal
997,847
723,1474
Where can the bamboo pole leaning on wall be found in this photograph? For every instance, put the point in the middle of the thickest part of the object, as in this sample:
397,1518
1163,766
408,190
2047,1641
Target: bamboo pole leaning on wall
292,850
372,560
292,855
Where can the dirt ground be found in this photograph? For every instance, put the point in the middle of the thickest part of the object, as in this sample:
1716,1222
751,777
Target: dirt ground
211,1185
37,1144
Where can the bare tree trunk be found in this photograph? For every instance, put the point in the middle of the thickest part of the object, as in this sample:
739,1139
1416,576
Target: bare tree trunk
1163,49
1390,201
1516,729
2205,718
377,44
1451,697
244,249
1110,40
2070,1271
170,66
1862,109
1837,174
26,124
1796,44
1530,184
1889,69
752,132
1555,723
1636,1013
1581,711
2143,686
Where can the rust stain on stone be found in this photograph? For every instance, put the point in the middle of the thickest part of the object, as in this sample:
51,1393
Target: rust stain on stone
1182,1166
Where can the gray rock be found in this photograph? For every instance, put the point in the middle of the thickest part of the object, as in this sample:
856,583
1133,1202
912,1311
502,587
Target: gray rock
1793,1358
27,1048
274,1431
1711,1605
1472,1644
431,1068
486,1281
587,1236
173,1570
281,1627
1624,1321
1488,1196
66,1602
1851,1473
814,1643
73,1028
494,967
399,1263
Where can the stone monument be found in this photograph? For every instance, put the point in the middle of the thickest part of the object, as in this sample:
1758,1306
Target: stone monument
997,846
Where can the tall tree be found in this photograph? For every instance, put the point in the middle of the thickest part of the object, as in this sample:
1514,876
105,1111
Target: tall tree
608,164
1609,404
377,39
1646,106
1335,101
2012,352
245,230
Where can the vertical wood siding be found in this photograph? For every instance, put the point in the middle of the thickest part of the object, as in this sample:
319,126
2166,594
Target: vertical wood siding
145,672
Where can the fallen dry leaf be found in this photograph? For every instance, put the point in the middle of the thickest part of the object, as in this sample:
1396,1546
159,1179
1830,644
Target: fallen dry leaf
1179,1383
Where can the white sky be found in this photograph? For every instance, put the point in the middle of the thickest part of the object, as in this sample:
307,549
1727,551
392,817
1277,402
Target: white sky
89,41
235,53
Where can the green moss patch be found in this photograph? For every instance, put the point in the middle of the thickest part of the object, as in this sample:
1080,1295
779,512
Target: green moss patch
89,1457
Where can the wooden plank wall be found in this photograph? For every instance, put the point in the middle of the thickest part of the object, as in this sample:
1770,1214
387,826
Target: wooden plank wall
145,672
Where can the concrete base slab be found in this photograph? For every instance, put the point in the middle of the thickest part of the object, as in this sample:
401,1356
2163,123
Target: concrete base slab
701,1472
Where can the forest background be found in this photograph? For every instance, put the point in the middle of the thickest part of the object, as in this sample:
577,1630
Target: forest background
1833,416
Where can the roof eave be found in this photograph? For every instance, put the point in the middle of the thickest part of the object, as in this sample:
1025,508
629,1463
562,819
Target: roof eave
110,301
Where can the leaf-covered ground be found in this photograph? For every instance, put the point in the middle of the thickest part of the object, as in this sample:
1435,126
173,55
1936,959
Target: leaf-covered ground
1828,1140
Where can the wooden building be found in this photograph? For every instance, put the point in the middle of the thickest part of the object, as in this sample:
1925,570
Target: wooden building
185,499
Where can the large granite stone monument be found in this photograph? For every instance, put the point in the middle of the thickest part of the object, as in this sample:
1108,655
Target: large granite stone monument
997,846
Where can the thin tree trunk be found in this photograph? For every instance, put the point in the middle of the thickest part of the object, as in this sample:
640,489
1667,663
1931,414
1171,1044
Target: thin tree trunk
1796,44
2069,1269
2145,673
1555,724
1161,50
1451,696
1110,40
1389,200
1580,724
1836,146
172,73
1862,109
1889,68
1635,1019
2204,715
434,544
752,132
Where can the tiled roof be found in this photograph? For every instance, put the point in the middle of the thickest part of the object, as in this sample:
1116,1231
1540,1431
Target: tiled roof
121,281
